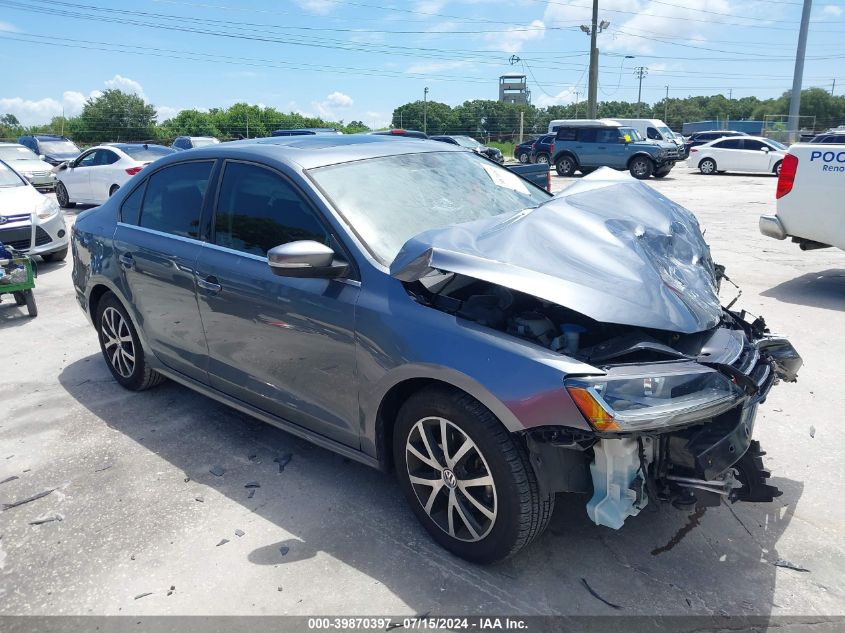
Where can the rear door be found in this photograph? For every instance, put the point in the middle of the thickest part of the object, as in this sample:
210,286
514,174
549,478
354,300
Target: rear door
285,345
157,243
727,154
585,147
101,174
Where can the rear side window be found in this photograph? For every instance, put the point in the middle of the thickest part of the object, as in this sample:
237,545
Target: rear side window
130,210
587,135
173,203
566,134
257,209
731,143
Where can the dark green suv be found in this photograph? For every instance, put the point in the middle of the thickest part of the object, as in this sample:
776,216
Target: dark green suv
585,145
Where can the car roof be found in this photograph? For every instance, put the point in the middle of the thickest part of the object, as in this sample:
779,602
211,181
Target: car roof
745,137
726,132
318,150
585,123
124,146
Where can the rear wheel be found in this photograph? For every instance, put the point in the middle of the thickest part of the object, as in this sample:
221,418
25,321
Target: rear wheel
113,189
776,170
121,347
62,196
543,159
469,482
641,167
707,166
565,166
523,157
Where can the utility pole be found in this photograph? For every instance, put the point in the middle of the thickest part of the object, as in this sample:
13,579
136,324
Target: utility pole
521,124
640,71
666,106
833,87
593,31
578,93
247,124
63,112
798,76
425,110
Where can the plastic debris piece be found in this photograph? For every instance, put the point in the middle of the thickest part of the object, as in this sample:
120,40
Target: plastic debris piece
239,533
15,504
284,549
597,596
279,588
103,467
143,595
132,557
251,493
222,542
8,479
41,521
812,431
217,471
252,484
187,479
200,499
283,461
782,562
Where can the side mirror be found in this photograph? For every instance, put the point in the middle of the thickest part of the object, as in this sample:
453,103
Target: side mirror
41,156
305,258
765,149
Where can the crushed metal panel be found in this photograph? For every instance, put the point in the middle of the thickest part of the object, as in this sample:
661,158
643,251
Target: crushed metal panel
609,247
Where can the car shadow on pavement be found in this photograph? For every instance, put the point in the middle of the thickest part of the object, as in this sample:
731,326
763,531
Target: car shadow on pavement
716,561
825,289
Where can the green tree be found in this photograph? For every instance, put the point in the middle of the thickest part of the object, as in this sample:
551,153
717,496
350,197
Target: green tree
115,116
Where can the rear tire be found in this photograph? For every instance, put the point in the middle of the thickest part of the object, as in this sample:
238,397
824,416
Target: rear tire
121,346
113,189
707,166
19,298
62,196
480,522
565,166
523,157
641,167
776,170
542,159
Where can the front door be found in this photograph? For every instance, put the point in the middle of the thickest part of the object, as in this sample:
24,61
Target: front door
756,156
157,245
282,344
77,178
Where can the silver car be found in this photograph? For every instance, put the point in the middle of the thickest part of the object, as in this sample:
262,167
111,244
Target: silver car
29,165
413,306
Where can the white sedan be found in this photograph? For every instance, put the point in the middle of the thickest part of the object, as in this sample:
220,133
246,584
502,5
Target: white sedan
97,173
738,153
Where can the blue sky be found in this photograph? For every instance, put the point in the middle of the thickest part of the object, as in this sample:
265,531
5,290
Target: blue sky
359,60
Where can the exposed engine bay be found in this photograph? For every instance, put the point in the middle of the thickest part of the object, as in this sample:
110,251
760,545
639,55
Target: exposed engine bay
703,454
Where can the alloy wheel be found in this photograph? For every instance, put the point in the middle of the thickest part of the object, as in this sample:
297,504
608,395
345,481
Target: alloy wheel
61,195
451,479
117,342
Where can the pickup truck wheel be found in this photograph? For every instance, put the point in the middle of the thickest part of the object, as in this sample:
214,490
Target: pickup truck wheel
565,166
523,157
707,166
468,480
776,170
543,159
641,167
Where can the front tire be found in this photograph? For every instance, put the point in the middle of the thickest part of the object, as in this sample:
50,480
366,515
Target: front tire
523,157
468,480
641,167
543,159
566,166
62,196
121,346
56,256
707,166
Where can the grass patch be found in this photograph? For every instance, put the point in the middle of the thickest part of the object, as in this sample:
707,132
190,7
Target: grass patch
506,148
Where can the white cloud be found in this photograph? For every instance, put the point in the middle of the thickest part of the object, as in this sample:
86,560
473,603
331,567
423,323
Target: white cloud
327,108
515,37
163,113
430,6
127,85
321,7
564,97
829,9
7,26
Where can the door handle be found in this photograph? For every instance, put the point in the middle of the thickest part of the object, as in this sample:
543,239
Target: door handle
210,284
126,260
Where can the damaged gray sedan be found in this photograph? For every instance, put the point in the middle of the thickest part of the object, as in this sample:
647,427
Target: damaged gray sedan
418,308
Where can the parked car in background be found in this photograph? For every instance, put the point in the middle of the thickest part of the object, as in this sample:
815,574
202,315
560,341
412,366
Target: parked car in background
420,309
29,221
305,131
832,136
810,191
655,130
53,148
522,152
401,132
190,142
541,150
24,161
700,138
739,153
99,172
470,143
586,144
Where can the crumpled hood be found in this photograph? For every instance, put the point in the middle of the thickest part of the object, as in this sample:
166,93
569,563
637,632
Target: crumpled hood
609,247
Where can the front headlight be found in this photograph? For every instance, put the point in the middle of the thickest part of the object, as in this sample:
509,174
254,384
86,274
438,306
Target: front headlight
47,208
651,400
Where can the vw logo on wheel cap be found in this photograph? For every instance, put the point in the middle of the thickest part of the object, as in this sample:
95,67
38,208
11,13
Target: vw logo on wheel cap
449,479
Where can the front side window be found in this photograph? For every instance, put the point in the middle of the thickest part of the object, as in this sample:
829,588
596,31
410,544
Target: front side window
751,144
257,210
652,134
607,136
173,202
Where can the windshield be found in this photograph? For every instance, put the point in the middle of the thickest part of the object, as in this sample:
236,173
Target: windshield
16,152
666,133
58,147
777,145
146,153
9,178
437,189
202,142
466,141
630,132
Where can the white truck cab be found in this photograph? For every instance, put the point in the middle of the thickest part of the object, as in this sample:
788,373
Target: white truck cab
810,197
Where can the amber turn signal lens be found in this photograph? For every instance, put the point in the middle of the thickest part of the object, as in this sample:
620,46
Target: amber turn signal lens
596,415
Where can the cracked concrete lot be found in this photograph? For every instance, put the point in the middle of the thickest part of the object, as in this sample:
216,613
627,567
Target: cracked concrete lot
143,519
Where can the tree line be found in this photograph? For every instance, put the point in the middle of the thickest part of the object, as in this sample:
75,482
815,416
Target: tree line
117,116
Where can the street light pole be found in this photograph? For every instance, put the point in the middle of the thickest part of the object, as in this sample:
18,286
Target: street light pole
592,96
798,76
425,110
640,71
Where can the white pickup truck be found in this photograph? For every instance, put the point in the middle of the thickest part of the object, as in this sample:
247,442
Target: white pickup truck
810,197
